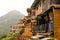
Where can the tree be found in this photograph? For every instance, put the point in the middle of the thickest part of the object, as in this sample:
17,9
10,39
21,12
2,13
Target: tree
21,31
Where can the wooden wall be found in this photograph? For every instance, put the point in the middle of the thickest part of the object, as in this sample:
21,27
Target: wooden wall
57,23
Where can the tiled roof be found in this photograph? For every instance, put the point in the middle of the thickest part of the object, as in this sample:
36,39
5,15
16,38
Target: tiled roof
35,3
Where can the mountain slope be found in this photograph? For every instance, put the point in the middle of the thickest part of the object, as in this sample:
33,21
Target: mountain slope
9,19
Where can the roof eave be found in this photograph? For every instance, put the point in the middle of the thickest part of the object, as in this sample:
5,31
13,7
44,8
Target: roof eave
35,3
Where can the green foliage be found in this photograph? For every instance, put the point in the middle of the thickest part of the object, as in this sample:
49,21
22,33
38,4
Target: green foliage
35,39
2,36
21,31
10,36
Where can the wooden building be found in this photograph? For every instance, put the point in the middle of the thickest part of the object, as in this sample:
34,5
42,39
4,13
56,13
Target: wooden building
47,12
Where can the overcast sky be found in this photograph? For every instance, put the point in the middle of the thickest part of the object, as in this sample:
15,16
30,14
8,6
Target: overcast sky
9,5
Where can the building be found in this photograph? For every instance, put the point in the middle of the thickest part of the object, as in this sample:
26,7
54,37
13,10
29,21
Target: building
13,28
16,27
25,24
47,13
20,23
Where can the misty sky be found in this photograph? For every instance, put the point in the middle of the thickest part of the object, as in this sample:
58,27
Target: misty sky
9,5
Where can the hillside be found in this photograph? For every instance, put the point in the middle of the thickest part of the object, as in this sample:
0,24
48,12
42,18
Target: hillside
9,19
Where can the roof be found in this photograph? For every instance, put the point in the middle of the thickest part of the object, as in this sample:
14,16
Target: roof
35,3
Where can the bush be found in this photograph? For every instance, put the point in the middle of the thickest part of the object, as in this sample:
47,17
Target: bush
21,31
3,36
10,36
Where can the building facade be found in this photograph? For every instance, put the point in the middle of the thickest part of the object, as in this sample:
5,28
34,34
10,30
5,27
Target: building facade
47,13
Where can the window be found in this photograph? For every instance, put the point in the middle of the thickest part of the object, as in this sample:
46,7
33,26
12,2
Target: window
28,21
57,1
43,1
33,13
40,4
51,2
37,7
